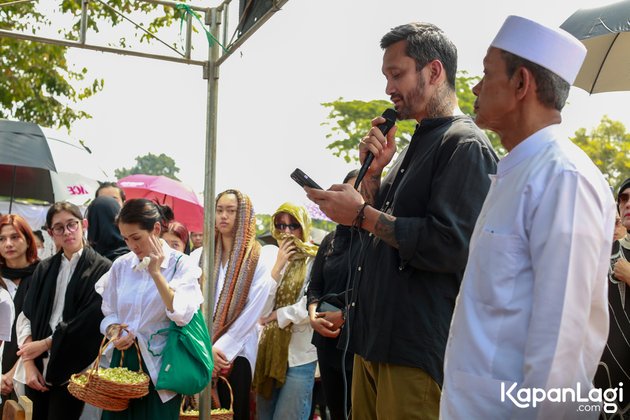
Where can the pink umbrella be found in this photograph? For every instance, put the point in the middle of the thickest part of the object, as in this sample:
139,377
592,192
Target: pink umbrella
178,196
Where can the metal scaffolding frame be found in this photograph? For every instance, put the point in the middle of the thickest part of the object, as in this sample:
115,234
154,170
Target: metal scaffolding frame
214,17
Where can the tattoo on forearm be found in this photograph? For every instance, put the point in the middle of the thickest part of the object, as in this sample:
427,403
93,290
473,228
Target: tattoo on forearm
385,229
370,187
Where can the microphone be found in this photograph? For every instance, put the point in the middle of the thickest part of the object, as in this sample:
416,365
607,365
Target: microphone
390,119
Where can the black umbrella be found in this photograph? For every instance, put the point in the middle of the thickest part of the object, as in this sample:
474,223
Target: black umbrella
605,31
25,162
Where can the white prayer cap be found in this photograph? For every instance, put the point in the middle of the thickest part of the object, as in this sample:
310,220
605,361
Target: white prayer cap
554,49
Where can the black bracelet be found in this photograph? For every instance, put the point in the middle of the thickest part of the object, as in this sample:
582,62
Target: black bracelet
358,221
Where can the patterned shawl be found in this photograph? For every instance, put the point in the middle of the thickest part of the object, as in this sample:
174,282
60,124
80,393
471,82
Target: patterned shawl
273,348
241,266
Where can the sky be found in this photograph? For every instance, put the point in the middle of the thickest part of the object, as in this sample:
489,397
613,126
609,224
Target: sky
270,91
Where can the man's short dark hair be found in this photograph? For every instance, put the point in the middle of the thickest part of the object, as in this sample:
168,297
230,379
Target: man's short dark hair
425,42
111,185
551,89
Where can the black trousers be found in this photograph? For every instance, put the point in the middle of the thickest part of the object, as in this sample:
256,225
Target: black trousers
55,404
332,382
240,379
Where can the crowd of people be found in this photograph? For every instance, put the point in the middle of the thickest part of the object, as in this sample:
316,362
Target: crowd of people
455,286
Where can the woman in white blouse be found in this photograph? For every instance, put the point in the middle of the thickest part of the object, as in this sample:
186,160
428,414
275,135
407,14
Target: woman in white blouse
145,290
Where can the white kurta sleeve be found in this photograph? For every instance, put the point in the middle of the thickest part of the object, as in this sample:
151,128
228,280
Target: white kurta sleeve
22,328
234,338
268,254
7,314
106,286
188,297
569,230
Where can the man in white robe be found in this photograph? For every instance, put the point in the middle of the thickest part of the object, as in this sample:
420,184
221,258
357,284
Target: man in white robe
531,318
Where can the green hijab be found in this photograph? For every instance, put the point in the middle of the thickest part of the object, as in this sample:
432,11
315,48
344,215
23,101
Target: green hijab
273,348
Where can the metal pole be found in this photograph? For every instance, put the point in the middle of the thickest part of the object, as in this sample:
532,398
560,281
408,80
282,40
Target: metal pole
12,190
205,404
188,36
65,43
226,16
84,21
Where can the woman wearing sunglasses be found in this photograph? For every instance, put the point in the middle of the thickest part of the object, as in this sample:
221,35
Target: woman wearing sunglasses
285,367
143,292
58,327
18,259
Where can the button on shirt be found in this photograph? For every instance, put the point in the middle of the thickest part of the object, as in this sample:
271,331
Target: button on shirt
131,297
533,306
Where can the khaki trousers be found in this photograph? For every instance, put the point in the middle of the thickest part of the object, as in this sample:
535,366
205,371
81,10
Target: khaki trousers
382,391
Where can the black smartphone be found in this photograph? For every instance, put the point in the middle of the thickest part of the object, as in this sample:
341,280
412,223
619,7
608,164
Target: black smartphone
304,180
327,307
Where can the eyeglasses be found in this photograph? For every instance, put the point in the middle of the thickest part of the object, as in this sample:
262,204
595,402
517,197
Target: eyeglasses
290,226
72,227
623,198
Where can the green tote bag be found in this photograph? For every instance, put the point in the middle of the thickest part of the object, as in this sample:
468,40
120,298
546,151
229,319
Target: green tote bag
186,358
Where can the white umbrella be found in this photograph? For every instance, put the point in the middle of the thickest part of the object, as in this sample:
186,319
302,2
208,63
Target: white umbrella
605,31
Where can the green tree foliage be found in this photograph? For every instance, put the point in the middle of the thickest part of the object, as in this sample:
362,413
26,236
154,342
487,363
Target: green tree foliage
36,82
349,121
150,164
608,145
263,224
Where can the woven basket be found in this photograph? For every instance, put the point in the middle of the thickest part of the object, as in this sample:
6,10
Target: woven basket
90,395
215,400
106,394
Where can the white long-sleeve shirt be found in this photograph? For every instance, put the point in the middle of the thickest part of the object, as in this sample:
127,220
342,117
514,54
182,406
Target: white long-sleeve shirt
301,351
532,308
7,314
241,338
23,326
131,297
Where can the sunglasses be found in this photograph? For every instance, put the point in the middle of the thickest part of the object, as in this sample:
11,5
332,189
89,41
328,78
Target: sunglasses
623,198
72,227
290,226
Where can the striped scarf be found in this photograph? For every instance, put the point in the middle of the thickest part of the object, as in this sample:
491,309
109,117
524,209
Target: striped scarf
241,266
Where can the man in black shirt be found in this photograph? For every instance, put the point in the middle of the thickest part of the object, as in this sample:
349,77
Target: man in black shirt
420,219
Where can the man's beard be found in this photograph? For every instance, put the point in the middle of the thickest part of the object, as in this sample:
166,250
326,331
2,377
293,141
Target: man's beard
411,101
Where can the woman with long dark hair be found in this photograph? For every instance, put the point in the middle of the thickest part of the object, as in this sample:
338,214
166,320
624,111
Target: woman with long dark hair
143,292
18,259
242,282
58,326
